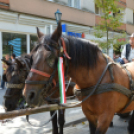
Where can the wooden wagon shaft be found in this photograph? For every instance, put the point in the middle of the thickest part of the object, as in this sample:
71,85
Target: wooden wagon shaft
29,111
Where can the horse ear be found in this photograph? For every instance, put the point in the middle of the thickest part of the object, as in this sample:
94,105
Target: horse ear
57,33
39,34
8,63
20,62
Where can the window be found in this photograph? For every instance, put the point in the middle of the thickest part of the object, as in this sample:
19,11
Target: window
98,10
77,4
70,3
14,43
74,3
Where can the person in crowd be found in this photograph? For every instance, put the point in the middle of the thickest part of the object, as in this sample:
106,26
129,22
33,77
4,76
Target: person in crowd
4,66
128,51
117,57
13,57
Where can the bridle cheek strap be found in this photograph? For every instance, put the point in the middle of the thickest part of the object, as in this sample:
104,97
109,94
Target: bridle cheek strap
42,74
64,48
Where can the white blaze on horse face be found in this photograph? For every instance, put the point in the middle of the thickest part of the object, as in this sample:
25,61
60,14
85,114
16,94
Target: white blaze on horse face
38,55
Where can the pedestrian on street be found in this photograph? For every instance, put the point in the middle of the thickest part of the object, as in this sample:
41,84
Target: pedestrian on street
128,51
13,58
117,57
4,66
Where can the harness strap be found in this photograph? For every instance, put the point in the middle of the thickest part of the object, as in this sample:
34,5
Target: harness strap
64,49
130,78
102,88
110,68
42,74
131,99
35,82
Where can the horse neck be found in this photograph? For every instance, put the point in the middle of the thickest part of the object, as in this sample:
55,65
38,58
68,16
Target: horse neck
87,77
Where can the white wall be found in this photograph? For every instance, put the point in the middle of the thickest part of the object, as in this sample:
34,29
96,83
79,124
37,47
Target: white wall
129,15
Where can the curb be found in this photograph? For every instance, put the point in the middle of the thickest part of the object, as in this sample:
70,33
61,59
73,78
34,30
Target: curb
71,123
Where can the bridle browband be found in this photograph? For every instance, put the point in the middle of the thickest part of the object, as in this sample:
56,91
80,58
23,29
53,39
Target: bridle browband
43,74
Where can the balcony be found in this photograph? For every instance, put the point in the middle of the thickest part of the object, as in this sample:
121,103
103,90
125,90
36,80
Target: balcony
47,9
130,4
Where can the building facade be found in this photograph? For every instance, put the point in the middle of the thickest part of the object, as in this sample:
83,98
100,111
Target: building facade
19,19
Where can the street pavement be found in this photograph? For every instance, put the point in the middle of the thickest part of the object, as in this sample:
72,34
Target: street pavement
75,123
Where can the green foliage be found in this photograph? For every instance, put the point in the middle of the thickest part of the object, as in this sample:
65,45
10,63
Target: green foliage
118,43
108,22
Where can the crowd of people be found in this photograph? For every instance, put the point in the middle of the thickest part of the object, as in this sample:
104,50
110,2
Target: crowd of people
4,66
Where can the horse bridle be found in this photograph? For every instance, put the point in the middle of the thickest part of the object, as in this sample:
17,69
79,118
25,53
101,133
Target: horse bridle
49,83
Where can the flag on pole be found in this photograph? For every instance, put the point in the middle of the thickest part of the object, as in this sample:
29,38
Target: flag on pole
61,80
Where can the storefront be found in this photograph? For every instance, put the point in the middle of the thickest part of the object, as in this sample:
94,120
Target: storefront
18,32
17,43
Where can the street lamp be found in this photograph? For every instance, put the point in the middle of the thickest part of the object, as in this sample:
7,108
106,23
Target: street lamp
58,15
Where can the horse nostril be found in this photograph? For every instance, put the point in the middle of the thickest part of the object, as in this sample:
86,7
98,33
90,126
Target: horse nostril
31,96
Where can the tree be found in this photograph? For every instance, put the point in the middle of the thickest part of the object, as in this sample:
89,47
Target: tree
108,22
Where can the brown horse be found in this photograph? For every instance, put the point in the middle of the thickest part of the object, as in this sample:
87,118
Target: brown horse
85,68
15,76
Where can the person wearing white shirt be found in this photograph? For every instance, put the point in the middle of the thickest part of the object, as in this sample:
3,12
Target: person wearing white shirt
127,54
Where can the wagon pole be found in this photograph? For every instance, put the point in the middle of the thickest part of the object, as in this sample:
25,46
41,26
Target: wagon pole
29,111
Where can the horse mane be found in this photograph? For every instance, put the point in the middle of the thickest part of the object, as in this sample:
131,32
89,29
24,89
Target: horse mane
82,52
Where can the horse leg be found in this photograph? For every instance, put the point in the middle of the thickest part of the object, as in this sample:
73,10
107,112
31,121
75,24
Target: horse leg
131,125
92,121
61,120
54,123
92,127
103,123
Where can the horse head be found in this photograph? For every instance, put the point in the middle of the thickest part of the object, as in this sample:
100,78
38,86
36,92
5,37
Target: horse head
43,75
15,76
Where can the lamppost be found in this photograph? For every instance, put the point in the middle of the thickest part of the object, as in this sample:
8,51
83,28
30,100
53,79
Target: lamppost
58,15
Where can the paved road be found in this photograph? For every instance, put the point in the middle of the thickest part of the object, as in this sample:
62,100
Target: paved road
20,126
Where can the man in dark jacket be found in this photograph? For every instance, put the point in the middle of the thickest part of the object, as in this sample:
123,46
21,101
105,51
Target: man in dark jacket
127,54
